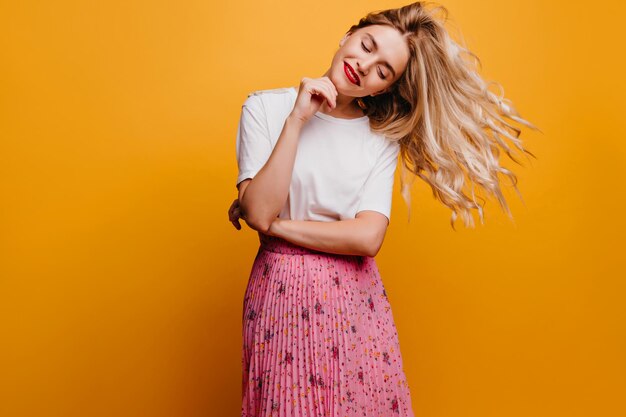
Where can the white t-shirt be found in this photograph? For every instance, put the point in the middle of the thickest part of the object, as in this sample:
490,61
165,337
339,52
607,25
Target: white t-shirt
341,167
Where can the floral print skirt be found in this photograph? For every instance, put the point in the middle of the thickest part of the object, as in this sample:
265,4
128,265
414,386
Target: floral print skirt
319,339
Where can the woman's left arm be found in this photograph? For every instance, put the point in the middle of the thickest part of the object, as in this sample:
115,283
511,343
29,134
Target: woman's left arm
361,236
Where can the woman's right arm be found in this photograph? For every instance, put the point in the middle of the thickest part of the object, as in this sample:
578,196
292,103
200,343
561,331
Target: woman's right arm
261,198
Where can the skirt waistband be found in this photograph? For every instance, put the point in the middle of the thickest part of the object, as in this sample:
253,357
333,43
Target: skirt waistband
280,245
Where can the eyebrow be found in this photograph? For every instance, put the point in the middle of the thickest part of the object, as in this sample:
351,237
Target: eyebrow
376,47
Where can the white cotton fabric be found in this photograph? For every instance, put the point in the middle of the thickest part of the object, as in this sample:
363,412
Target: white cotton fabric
341,166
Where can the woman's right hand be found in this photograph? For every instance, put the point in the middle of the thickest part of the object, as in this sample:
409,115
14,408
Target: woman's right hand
311,95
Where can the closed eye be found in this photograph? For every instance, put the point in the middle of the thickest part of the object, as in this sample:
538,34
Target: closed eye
368,51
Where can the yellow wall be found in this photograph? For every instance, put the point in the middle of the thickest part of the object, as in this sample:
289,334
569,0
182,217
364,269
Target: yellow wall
121,279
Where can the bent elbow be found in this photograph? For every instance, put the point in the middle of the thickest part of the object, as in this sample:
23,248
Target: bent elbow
260,225
254,217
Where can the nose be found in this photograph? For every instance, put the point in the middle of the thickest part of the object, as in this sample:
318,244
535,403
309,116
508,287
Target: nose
364,68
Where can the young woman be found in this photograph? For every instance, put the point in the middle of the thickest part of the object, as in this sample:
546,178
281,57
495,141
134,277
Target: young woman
316,174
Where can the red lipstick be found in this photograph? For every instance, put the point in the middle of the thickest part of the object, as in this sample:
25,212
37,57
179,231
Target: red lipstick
351,74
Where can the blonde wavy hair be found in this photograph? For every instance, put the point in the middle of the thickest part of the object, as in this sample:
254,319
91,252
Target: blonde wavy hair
449,125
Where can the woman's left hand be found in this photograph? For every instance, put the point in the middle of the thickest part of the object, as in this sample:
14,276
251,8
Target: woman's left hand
234,214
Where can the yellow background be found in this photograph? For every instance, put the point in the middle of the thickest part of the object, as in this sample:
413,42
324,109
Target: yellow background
121,279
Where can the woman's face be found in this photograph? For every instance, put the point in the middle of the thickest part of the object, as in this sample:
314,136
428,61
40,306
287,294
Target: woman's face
378,55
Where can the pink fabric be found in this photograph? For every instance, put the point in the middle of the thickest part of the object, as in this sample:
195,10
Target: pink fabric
319,337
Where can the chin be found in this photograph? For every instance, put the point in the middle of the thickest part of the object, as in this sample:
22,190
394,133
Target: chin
342,85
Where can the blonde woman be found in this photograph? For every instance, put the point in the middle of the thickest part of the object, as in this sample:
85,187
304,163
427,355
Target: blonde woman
316,174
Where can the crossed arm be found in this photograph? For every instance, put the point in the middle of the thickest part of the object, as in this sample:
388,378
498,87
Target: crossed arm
262,197
362,235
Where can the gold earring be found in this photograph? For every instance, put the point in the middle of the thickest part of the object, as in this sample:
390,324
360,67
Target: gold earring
361,104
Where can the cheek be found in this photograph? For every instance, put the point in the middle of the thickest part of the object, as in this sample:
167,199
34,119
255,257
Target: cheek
376,83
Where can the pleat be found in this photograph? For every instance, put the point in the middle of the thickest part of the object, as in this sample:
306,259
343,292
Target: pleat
319,338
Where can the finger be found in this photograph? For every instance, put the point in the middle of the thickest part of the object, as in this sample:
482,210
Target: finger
234,214
332,98
236,221
331,94
316,87
324,90
315,90
232,206
332,85
239,214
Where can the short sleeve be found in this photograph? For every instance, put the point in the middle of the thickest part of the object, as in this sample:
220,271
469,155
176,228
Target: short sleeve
378,188
253,145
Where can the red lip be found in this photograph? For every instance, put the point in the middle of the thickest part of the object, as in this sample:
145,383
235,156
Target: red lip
351,74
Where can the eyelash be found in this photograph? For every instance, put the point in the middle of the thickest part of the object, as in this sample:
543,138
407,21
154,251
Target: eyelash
363,45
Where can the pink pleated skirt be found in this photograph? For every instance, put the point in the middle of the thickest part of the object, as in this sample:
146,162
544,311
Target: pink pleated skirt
319,339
